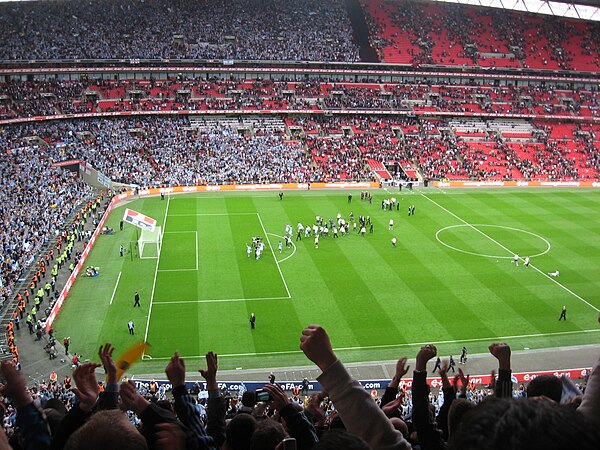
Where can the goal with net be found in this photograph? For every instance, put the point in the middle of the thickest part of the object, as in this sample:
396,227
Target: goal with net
149,243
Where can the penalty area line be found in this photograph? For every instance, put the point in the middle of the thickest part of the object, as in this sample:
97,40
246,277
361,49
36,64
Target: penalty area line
410,344
223,300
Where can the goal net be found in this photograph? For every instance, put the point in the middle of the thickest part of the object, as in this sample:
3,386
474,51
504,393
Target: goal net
149,243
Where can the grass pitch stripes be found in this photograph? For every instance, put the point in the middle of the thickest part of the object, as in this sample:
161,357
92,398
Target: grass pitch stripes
375,300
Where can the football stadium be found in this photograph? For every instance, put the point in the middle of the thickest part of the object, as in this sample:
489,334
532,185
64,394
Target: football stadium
327,224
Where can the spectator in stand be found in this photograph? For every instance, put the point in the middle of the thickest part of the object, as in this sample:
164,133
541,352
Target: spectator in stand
360,414
158,29
91,411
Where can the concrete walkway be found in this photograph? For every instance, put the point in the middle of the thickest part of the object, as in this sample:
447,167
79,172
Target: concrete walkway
478,364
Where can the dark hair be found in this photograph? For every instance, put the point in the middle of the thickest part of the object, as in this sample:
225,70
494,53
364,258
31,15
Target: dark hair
340,439
249,398
523,424
239,432
457,410
547,385
267,435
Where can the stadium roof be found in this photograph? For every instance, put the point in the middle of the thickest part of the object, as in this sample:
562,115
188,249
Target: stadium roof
582,9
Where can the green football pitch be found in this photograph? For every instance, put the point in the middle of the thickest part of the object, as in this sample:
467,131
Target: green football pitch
450,280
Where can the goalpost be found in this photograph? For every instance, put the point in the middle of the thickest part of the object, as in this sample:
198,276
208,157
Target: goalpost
149,243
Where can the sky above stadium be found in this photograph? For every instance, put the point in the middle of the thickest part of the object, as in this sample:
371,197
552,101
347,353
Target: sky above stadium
582,9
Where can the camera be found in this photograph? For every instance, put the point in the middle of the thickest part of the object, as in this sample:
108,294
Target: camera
262,395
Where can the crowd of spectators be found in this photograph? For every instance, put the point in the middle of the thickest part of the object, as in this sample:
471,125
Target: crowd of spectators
338,160
38,199
158,29
84,413
151,151
457,35
38,202
33,283
51,97
306,30
35,201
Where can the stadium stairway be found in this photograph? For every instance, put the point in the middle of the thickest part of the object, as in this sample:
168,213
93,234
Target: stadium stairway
35,362
361,31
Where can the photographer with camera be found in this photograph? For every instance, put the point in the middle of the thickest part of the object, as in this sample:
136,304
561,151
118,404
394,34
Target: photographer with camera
293,418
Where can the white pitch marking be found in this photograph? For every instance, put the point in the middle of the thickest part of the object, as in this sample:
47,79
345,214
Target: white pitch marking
179,232
513,253
178,270
222,300
411,344
293,245
214,214
197,251
115,289
156,273
492,226
274,257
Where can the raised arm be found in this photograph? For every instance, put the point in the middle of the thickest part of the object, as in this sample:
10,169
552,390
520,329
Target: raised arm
217,408
358,411
297,423
391,391
449,396
33,425
501,351
590,405
430,436
150,414
86,392
185,406
109,399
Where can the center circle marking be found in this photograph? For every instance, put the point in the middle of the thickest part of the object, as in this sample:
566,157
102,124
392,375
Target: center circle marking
437,236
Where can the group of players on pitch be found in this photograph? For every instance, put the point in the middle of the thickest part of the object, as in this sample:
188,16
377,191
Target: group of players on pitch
257,247
331,227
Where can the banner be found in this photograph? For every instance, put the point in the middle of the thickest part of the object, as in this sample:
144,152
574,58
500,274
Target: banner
434,382
498,183
139,220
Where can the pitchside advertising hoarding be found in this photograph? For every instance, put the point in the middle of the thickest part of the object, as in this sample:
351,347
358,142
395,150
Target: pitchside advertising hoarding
502,184
234,387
